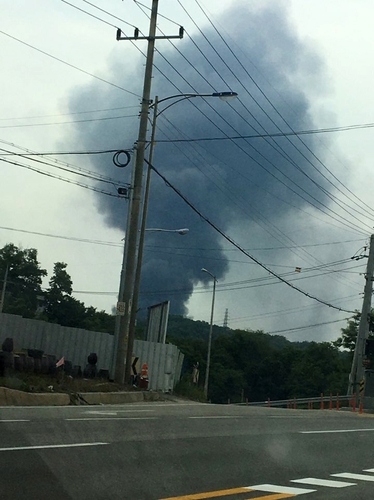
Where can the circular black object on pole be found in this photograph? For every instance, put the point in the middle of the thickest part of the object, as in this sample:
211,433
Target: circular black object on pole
116,158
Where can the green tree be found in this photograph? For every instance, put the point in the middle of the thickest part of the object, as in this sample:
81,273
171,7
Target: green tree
24,280
98,321
61,306
242,364
60,283
320,368
257,366
347,340
66,310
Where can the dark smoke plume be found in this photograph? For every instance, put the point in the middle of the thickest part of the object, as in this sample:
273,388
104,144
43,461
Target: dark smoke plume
218,177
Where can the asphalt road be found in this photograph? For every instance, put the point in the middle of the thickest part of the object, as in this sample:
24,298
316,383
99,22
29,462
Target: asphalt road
186,451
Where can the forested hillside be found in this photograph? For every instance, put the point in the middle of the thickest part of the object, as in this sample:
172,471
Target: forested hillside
256,365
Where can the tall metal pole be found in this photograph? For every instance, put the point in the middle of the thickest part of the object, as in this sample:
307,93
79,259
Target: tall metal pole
225,96
4,288
358,370
206,382
125,341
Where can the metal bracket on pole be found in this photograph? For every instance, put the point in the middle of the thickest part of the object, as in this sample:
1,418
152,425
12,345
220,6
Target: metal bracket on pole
137,37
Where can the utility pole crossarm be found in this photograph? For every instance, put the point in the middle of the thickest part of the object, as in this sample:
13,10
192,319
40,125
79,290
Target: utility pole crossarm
137,37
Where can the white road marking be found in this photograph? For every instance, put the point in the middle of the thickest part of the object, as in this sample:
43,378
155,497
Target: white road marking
97,412
109,418
135,411
322,482
368,470
101,412
272,488
50,446
290,416
217,416
1,421
357,477
337,431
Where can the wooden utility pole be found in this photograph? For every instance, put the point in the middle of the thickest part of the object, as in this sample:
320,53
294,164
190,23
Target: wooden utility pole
123,341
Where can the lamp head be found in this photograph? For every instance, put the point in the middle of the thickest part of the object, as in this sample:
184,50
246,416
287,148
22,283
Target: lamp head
225,96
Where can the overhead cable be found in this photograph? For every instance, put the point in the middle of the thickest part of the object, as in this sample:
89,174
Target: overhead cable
70,181
229,239
70,65
275,109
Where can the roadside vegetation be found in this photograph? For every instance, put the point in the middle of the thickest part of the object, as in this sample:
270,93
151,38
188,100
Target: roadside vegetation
245,364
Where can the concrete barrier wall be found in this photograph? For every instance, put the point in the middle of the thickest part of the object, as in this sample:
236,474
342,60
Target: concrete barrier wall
164,360
10,397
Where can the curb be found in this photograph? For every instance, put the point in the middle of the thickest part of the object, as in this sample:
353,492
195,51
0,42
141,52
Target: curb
12,397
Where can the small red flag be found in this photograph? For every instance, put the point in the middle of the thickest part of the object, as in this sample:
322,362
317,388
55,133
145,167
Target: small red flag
60,362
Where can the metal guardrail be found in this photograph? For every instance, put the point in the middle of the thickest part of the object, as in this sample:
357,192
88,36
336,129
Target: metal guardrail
289,403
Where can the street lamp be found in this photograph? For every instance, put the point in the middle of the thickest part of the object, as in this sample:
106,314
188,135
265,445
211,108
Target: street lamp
128,330
178,231
206,382
183,231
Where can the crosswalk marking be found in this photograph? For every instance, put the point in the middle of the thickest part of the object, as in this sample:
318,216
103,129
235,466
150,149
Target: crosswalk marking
272,488
277,492
358,477
322,482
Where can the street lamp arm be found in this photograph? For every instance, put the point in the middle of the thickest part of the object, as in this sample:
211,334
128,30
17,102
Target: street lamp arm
210,274
224,96
160,230
175,96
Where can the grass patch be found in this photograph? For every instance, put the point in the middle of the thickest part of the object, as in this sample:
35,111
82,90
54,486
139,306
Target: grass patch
187,389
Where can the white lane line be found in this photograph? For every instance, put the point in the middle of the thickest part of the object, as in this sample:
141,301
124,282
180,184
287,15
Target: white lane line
368,470
290,416
100,412
108,418
322,482
2,421
357,477
51,446
132,411
337,431
216,416
272,488
103,412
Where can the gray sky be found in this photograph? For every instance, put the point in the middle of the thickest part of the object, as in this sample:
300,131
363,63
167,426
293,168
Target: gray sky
304,63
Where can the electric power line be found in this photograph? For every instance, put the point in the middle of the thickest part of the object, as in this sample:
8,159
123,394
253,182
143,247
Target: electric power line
68,64
229,239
